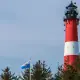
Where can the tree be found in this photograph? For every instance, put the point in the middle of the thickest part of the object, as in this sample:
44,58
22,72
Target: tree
25,75
41,72
58,75
7,75
72,72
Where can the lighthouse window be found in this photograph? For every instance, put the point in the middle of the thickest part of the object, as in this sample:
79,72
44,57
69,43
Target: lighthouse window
69,22
71,14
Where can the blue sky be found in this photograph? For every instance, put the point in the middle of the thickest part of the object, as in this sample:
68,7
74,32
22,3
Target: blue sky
32,29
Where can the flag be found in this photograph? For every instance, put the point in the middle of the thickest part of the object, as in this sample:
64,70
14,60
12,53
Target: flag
26,65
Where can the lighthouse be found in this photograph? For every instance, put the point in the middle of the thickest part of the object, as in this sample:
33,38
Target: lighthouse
71,21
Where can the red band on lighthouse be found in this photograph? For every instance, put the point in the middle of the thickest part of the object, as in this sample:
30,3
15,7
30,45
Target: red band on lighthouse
71,30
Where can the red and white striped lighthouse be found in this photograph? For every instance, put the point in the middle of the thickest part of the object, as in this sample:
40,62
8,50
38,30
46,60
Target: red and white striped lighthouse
71,20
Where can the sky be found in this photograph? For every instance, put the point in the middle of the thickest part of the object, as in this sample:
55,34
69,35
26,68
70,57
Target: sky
32,29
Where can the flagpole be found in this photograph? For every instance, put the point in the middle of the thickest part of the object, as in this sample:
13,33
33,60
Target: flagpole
30,70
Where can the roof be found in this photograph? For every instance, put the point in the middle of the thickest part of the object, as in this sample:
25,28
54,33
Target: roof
72,5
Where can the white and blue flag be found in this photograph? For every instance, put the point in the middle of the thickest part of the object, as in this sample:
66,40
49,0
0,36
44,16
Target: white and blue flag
26,65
